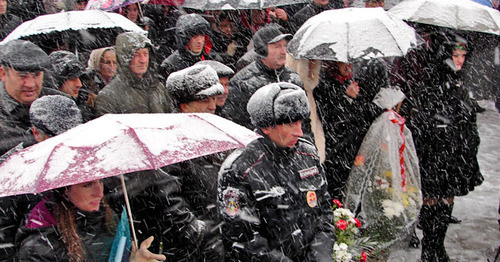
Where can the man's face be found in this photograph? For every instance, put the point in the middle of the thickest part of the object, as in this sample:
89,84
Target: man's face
24,87
72,86
221,99
226,27
206,105
375,4
3,7
321,2
196,43
276,54
140,62
285,135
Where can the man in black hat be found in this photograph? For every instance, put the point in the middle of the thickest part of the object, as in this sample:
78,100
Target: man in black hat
270,45
22,71
273,199
224,73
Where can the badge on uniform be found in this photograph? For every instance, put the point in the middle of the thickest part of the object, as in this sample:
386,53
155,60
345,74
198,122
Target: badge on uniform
231,201
308,172
312,199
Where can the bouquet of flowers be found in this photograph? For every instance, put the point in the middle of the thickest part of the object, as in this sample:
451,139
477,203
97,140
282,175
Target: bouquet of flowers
347,246
384,184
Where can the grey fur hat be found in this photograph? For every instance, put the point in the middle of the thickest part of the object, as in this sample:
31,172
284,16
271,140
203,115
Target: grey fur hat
55,114
23,56
276,104
221,69
194,83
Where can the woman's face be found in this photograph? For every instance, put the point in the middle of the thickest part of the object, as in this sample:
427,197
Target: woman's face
108,64
345,69
459,58
86,196
132,12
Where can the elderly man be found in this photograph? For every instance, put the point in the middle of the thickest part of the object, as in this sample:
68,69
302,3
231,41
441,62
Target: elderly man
136,87
270,45
22,71
273,198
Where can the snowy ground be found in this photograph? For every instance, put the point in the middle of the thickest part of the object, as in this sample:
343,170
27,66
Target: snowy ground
477,238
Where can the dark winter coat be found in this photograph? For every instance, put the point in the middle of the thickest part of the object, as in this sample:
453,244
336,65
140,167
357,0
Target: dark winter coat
246,82
129,94
310,10
8,22
40,240
160,210
345,122
221,42
188,27
274,204
15,125
446,137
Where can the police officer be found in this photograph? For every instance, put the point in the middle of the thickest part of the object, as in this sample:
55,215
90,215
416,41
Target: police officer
273,199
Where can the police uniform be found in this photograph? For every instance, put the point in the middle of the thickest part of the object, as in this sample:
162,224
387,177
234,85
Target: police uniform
274,204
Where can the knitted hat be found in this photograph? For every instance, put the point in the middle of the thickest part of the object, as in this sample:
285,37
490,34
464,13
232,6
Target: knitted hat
194,83
268,34
276,104
23,56
54,114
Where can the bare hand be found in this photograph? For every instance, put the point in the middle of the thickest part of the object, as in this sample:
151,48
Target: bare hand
143,254
353,89
281,14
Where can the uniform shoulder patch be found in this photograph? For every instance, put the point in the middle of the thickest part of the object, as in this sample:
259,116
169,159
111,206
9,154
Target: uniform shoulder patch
231,201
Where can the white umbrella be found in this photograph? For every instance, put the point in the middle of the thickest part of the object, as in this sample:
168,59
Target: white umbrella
236,4
457,14
79,21
352,33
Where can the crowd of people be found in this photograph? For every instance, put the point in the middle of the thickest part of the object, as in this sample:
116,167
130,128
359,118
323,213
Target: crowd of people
269,201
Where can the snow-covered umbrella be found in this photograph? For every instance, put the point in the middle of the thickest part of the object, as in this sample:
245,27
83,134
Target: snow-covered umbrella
236,4
349,34
116,144
92,28
457,14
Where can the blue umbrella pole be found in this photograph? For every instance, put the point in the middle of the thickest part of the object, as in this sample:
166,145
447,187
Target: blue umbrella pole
129,212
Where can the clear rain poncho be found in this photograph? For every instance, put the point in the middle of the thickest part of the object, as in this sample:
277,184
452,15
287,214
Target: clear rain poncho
383,189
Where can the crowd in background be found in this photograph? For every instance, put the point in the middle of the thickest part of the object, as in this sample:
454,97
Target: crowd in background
214,62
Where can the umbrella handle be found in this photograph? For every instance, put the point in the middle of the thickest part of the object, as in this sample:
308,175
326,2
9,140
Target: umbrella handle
129,212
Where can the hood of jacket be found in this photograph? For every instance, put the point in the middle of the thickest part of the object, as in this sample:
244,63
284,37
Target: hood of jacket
126,46
190,25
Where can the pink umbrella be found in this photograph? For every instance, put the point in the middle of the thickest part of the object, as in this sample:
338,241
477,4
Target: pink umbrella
116,144
108,5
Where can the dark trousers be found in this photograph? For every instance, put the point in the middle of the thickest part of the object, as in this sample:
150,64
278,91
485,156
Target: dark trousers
433,222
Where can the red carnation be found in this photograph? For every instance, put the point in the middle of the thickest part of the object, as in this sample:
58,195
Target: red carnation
337,203
342,225
358,223
363,257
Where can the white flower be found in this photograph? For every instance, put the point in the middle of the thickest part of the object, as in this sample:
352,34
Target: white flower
392,208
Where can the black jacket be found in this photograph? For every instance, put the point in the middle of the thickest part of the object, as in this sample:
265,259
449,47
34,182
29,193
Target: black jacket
246,82
446,137
40,240
310,10
345,122
274,204
8,23
15,125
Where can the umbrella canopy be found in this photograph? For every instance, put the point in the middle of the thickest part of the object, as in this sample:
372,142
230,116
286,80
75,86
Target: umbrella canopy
92,28
236,4
108,5
352,33
163,2
116,144
457,14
